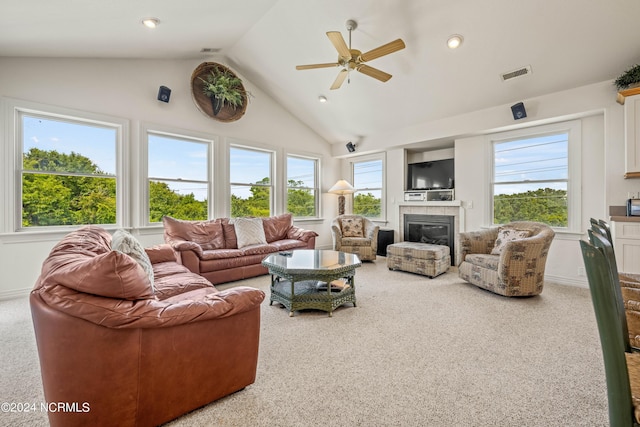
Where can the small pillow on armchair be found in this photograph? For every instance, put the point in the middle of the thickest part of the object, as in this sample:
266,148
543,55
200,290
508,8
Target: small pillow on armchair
508,234
352,227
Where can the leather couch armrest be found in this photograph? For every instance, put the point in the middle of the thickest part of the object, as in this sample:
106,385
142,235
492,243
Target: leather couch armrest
183,245
194,306
301,234
160,253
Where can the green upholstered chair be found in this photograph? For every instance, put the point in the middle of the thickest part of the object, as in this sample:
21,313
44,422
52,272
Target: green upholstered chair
622,367
629,284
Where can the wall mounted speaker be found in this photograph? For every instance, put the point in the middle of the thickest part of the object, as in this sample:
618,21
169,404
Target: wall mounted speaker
351,147
164,93
518,111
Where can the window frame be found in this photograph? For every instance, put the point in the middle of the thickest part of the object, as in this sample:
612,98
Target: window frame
573,129
383,180
316,188
272,175
183,135
14,110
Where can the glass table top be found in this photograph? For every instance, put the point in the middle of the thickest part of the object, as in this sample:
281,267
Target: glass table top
311,260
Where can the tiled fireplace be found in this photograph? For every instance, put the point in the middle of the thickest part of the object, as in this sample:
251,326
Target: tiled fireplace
429,223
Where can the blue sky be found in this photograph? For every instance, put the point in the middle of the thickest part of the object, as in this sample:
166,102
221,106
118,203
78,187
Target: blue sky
532,159
96,143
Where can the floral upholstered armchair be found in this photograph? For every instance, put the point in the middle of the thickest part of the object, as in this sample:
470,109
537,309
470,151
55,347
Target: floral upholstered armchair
509,260
355,234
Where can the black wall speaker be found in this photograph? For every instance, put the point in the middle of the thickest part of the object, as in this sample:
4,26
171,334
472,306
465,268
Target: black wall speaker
351,147
518,111
164,93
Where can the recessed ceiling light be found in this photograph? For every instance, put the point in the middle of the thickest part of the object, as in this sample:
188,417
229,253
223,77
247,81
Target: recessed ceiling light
322,99
150,22
454,41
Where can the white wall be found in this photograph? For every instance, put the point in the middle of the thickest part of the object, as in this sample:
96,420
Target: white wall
128,89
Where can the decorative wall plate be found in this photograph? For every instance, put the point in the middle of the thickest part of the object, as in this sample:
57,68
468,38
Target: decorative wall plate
227,113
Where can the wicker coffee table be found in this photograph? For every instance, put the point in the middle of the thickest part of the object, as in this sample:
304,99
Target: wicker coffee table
302,279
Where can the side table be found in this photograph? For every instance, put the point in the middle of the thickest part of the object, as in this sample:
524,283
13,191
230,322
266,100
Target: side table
385,238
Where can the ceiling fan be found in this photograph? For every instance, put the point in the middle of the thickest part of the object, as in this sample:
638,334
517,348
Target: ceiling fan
352,59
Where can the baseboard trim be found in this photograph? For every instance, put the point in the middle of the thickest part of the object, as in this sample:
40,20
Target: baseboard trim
560,280
14,293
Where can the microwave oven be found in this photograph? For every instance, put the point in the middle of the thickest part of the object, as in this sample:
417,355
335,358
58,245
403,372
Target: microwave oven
633,207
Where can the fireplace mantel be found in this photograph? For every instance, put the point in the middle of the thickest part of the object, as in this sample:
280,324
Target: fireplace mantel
434,203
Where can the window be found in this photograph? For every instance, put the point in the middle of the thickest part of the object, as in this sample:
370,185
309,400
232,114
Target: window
68,174
178,177
250,177
368,179
535,174
302,190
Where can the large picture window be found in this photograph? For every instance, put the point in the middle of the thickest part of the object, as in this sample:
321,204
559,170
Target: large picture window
178,177
302,186
533,176
368,179
250,177
68,174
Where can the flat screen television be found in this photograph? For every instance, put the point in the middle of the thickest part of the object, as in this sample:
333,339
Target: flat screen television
431,175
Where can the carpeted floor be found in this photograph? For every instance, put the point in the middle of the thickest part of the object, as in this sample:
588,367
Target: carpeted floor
414,352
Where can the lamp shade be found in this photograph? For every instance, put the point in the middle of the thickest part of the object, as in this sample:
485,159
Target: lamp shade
342,187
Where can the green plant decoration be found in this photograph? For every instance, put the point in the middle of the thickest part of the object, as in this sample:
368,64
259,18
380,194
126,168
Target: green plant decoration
224,87
628,78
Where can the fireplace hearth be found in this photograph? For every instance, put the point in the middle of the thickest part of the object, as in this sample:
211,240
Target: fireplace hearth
431,229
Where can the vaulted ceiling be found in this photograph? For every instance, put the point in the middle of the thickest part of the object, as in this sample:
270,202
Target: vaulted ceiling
566,43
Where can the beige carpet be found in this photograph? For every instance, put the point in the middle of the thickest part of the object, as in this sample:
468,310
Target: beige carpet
414,352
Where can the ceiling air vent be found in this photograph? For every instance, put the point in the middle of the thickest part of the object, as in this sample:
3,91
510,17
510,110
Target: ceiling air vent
516,73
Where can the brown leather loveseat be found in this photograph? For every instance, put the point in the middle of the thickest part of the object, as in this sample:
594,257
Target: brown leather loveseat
213,249
117,350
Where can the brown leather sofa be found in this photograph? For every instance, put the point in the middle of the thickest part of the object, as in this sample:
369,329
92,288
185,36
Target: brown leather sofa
210,248
116,352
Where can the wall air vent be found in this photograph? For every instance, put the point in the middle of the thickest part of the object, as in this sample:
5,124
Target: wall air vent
524,71
210,50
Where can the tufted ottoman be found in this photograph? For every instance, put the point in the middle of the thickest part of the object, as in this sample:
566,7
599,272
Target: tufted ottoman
422,258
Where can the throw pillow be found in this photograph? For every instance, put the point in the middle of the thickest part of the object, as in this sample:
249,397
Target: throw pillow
249,231
352,227
507,234
123,241
277,227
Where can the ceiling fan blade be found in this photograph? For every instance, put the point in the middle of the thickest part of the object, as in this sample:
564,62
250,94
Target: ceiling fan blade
373,72
339,43
338,81
385,49
312,66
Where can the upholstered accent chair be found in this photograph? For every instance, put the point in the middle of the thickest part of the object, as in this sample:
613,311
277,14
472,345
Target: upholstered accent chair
509,260
355,234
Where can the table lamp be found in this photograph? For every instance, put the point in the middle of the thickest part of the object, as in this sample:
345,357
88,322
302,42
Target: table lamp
341,188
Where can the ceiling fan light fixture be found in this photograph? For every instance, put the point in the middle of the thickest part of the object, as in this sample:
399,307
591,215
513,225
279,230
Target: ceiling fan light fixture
454,41
151,22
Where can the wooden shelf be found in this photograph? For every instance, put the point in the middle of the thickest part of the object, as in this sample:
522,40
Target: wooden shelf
627,92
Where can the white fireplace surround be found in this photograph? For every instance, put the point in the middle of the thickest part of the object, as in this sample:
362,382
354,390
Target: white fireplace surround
450,208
